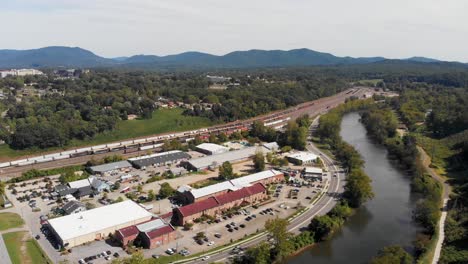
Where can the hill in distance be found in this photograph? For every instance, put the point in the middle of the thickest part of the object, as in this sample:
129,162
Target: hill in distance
58,56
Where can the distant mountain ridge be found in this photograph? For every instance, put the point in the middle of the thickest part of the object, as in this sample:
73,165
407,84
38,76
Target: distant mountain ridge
58,56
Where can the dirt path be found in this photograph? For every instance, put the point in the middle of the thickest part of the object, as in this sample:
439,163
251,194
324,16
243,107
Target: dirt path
446,196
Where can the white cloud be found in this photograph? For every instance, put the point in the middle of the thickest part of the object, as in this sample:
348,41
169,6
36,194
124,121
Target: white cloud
394,29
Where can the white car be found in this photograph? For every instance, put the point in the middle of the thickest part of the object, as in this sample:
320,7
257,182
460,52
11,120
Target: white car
211,243
205,258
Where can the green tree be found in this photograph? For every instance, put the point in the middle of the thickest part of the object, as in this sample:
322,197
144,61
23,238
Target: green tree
151,195
225,171
358,188
259,161
277,230
322,226
260,254
392,255
166,190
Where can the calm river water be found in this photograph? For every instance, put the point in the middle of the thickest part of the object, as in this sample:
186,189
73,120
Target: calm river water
385,220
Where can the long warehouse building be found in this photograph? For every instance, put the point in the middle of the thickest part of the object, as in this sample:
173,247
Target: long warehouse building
96,224
159,159
214,161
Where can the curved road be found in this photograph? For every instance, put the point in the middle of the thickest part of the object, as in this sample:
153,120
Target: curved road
323,206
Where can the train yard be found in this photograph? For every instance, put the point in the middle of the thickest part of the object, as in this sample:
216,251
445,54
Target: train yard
133,147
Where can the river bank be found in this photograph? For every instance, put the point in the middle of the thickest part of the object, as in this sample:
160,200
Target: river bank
385,220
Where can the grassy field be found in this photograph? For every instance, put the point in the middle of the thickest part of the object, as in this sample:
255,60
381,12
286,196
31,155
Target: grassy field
163,120
24,250
371,82
10,220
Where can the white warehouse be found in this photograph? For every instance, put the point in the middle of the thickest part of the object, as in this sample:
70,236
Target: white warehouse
96,224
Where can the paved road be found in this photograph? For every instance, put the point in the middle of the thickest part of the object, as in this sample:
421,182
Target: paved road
4,257
446,196
312,108
324,205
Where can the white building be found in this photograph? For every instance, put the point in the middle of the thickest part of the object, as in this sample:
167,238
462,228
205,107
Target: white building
211,149
302,157
96,224
312,173
20,72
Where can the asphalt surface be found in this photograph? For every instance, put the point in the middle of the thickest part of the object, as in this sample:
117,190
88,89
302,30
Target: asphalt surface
324,205
4,257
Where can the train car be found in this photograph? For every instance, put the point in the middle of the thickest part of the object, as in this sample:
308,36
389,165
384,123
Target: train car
100,151
113,145
139,141
130,150
62,157
68,152
117,148
16,162
5,164
25,163
80,154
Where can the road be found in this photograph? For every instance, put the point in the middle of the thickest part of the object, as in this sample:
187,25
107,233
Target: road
312,108
426,160
4,257
324,205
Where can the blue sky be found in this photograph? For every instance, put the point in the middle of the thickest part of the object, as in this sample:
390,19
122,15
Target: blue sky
394,29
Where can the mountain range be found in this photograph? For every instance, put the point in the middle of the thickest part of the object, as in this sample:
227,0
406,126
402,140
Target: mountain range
58,56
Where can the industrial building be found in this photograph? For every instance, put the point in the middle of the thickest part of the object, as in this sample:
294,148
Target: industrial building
150,234
211,149
96,224
158,159
114,166
311,173
214,161
216,205
190,195
73,207
302,157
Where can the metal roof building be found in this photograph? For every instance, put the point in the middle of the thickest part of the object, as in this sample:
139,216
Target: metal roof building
215,161
211,149
159,158
96,224
302,157
110,167
264,177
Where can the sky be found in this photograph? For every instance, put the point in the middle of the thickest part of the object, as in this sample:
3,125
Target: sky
357,28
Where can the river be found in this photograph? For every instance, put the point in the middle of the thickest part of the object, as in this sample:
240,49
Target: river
383,221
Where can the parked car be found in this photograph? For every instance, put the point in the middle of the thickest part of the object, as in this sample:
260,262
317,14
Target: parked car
217,235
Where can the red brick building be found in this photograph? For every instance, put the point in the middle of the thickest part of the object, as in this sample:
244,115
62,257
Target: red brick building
158,237
149,234
217,204
127,235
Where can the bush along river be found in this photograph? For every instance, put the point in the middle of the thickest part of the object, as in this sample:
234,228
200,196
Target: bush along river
383,221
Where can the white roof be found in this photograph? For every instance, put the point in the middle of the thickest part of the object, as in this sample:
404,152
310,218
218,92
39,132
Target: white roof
303,156
79,184
151,225
215,148
95,220
208,190
218,159
249,179
234,184
313,170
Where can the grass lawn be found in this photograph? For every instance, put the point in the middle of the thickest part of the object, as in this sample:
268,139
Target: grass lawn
371,82
10,220
23,250
163,120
